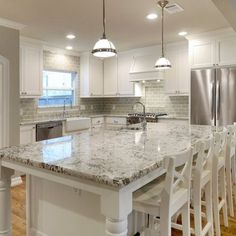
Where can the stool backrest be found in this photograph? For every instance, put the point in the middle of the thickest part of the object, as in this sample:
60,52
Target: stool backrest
205,150
177,179
220,145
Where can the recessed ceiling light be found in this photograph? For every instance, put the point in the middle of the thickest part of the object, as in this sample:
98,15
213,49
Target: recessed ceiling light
69,47
183,33
152,16
70,36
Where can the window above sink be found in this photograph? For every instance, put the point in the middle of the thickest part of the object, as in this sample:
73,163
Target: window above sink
58,88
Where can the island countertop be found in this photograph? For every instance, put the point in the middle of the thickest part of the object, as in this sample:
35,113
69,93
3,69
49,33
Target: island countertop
114,157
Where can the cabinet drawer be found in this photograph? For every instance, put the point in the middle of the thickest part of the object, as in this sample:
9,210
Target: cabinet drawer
97,121
116,120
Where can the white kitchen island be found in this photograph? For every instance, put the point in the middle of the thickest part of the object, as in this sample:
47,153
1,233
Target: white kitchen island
102,167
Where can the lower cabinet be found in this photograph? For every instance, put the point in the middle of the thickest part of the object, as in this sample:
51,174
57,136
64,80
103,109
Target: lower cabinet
174,121
97,121
116,120
27,134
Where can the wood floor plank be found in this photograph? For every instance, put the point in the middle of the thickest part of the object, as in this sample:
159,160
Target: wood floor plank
19,221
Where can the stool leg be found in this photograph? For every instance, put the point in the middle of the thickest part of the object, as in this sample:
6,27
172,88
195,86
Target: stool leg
197,208
209,216
186,219
229,187
223,196
216,202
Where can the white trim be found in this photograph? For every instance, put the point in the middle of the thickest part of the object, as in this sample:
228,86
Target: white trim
47,47
35,232
212,34
11,24
16,181
5,102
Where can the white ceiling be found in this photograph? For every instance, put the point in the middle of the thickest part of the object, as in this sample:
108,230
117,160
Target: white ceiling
127,27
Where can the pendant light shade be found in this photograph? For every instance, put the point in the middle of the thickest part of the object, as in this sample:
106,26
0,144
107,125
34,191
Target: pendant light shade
104,48
162,63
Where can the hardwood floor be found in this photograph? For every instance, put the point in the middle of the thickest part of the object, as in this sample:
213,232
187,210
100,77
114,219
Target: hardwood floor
19,223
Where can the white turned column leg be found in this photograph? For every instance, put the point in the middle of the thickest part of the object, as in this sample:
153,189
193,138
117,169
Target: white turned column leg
116,227
5,202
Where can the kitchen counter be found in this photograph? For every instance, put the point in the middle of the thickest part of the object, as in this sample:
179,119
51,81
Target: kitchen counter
89,178
114,157
34,122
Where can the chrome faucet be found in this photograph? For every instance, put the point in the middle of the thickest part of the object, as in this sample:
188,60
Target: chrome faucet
144,123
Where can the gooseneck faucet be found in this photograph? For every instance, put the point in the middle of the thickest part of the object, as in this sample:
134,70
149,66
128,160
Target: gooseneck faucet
144,123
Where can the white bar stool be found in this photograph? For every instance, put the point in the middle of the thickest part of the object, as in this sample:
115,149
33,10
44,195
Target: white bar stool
164,197
219,181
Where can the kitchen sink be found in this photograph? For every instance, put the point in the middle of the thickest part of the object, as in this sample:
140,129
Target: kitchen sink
77,124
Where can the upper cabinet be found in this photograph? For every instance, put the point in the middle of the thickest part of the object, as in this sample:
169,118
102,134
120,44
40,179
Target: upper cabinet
110,77
226,51
31,70
202,53
91,76
215,49
177,79
125,87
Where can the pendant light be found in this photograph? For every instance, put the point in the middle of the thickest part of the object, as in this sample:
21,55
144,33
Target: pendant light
104,48
162,63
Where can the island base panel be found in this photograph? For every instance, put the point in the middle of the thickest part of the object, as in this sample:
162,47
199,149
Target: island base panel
5,201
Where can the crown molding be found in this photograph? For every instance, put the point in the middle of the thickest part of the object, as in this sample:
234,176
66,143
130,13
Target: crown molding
11,24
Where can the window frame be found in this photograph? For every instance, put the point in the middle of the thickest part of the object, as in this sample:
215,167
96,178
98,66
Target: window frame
73,88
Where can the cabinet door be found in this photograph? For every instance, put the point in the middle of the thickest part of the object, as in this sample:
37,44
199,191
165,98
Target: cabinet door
202,54
96,76
171,75
27,134
227,51
125,87
31,71
184,71
110,77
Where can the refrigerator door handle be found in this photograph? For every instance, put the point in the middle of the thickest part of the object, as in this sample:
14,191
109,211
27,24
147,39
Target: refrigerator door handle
218,97
212,104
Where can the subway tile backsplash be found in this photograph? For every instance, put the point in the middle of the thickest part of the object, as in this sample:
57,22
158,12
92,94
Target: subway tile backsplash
154,98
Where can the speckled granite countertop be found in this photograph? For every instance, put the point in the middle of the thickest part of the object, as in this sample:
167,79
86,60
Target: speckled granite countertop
113,157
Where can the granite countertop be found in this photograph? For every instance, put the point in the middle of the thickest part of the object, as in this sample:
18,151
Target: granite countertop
34,122
114,157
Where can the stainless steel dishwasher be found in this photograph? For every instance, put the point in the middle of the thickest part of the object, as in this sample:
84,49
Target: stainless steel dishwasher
48,130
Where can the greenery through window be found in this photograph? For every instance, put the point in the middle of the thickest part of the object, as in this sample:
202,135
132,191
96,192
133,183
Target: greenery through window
58,88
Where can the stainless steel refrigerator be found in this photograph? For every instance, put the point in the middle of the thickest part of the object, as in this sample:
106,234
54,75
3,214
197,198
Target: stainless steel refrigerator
213,96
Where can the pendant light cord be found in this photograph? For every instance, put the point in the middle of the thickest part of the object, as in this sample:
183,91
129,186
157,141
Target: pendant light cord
162,32
104,20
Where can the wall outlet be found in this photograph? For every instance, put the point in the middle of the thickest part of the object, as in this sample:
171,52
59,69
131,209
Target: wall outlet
113,107
82,107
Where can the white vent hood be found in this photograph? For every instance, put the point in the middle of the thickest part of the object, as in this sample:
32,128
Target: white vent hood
143,68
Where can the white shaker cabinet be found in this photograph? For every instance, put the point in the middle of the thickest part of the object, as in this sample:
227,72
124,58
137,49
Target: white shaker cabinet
31,70
27,134
110,77
226,51
177,79
91,76
202,53
216,50
125,87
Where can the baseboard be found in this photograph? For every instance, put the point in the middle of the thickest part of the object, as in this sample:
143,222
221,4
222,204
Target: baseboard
16,181
35,232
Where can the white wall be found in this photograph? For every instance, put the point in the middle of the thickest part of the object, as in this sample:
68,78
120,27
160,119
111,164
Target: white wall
9,48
